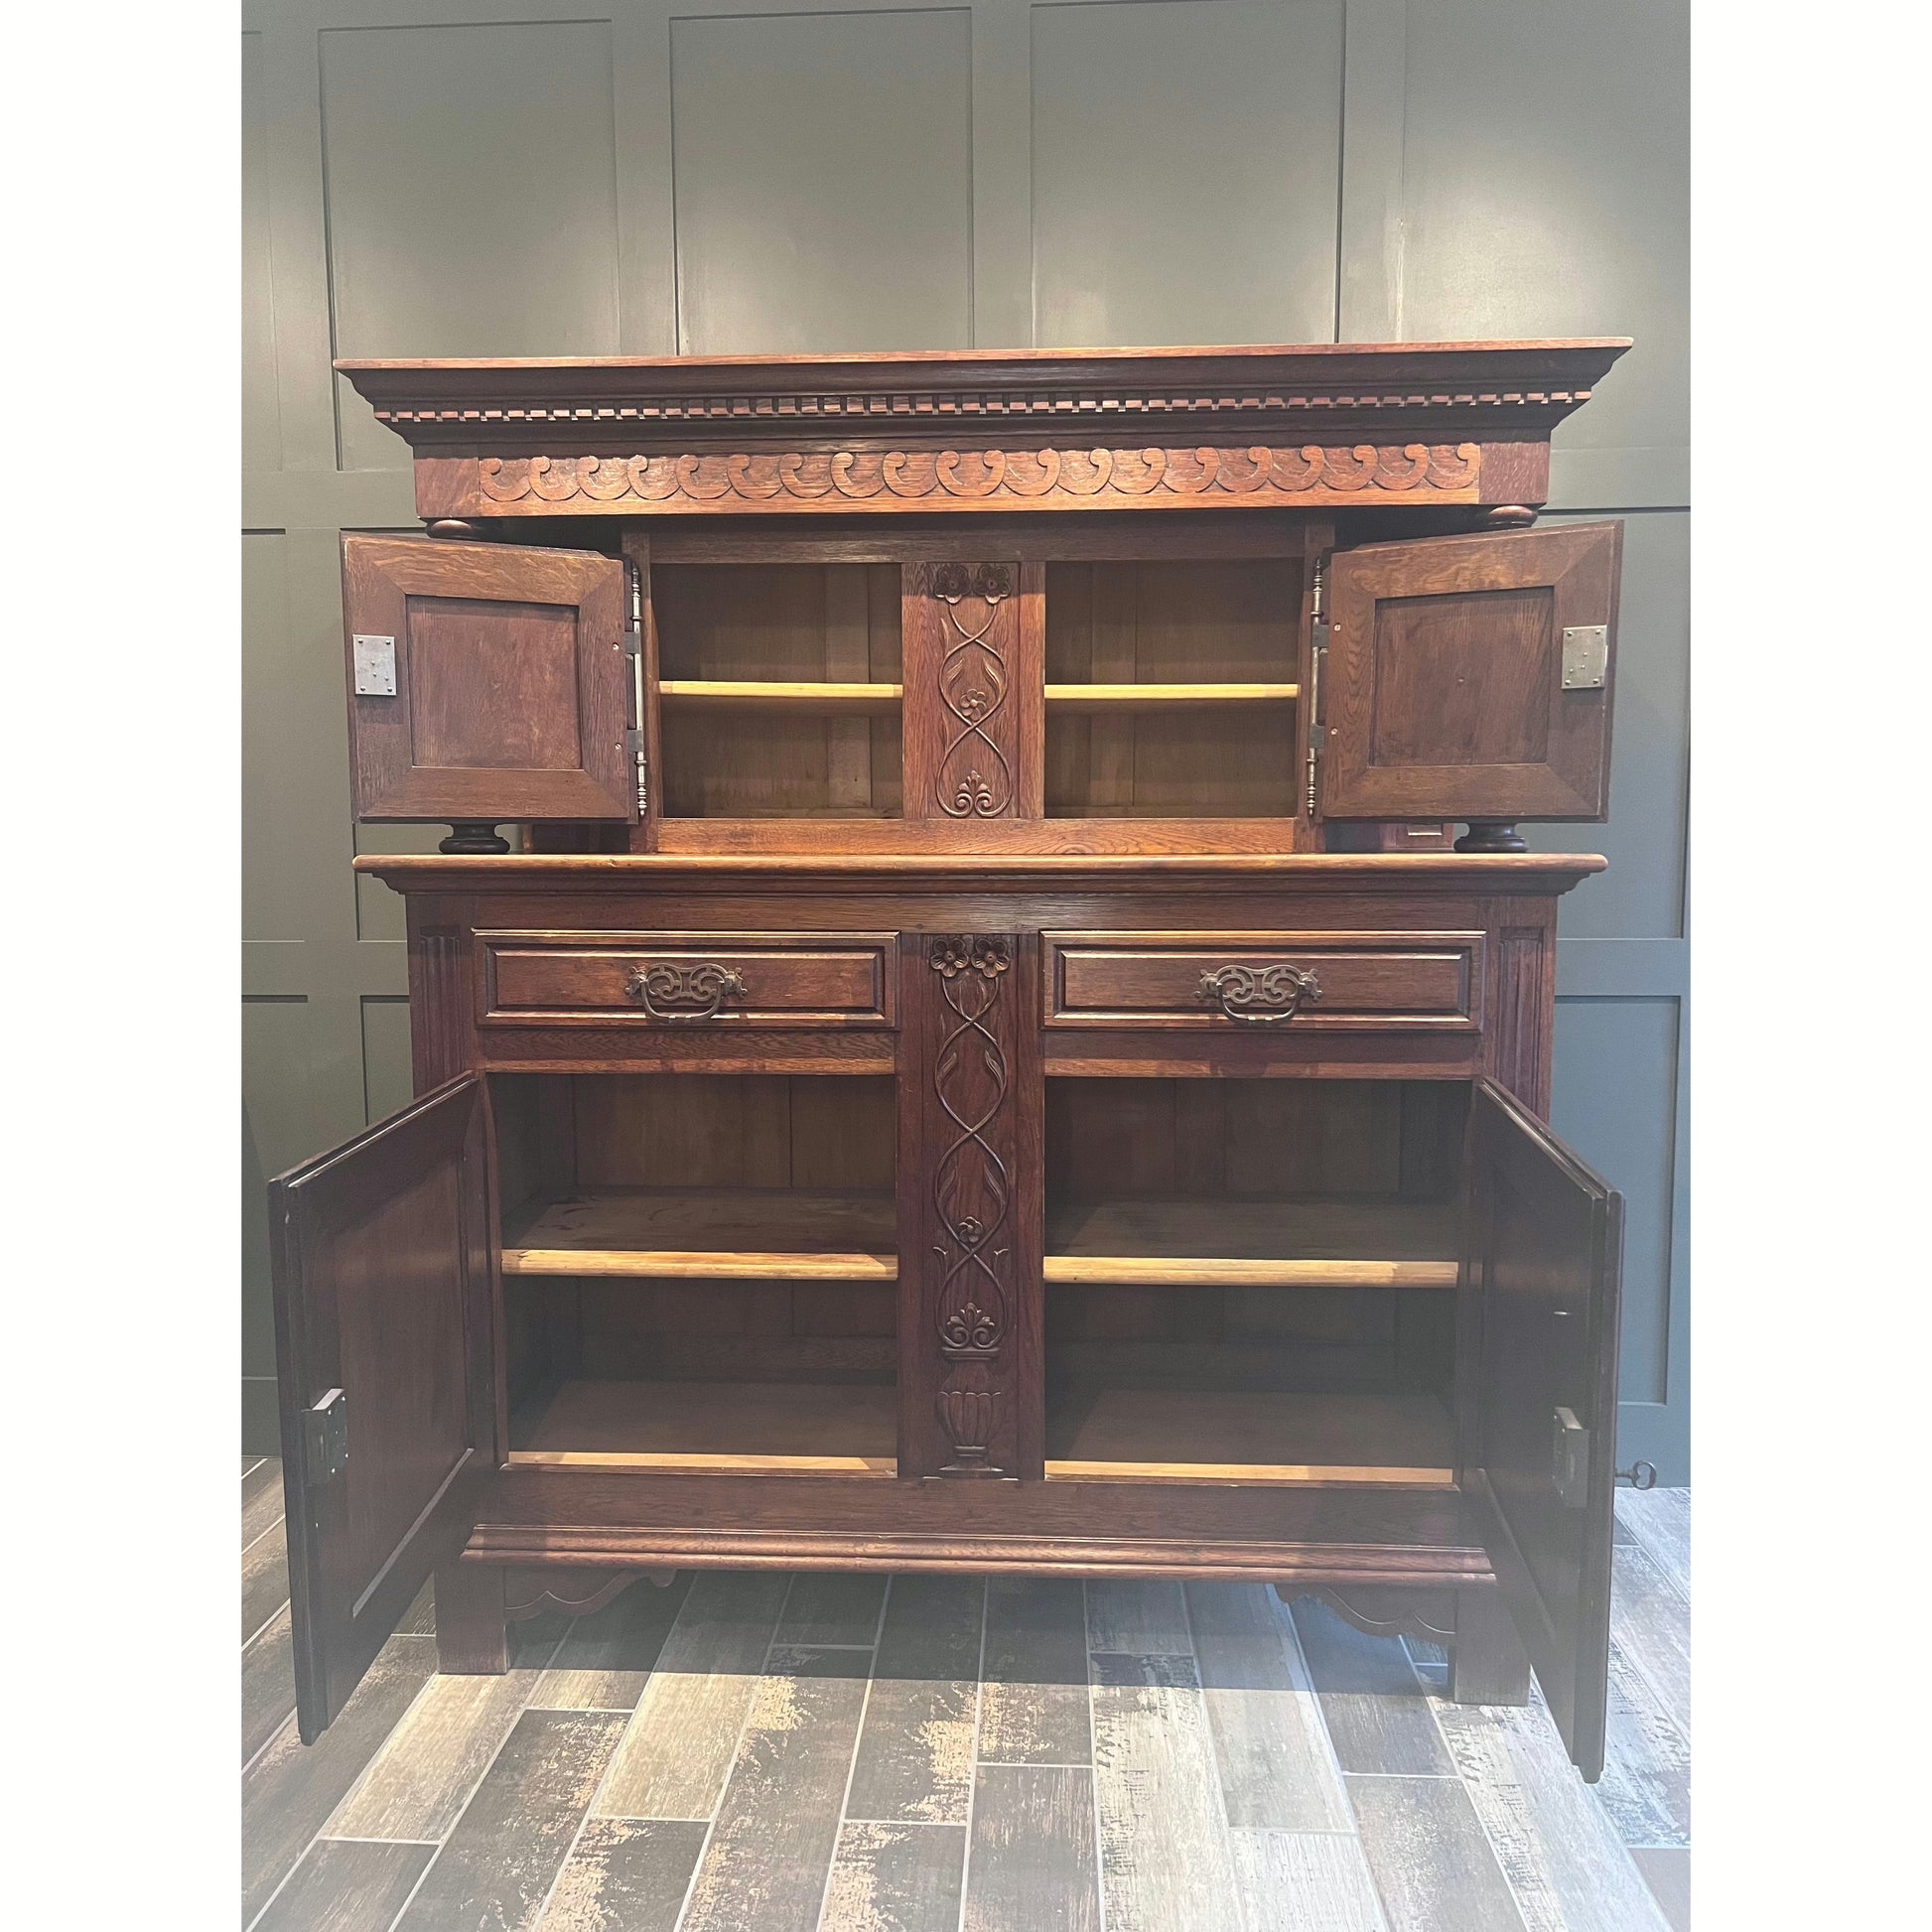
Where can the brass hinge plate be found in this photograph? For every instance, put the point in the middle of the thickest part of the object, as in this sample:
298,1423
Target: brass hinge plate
1586,657
325,1437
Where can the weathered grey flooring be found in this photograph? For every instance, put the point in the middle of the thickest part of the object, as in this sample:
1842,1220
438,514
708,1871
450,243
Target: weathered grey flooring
943,1755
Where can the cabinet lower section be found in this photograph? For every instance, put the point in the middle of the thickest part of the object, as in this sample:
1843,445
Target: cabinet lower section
1022,1272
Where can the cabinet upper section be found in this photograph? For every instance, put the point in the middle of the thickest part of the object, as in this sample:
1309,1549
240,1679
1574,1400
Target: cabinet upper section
1330,426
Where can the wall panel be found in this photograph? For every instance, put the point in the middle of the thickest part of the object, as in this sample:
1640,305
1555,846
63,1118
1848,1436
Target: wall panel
277,1129
450,177
471,179
1544,169
1641,896
261,432
1185,171
824,182
1616,1101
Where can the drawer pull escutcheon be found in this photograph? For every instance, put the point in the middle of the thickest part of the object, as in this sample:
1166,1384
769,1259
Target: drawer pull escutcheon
673,992
1259,995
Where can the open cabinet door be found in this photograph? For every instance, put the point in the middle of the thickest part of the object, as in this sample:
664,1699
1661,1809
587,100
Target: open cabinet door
385,1290
1536,1393
487,683
1471,678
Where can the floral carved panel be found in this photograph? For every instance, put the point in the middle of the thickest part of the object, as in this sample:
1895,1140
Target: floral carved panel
969,1289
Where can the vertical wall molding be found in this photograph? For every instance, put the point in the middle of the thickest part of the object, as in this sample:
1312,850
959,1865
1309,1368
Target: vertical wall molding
1003,175
1368,267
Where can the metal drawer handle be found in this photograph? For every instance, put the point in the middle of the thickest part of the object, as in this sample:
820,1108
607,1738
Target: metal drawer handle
1259,995
672,993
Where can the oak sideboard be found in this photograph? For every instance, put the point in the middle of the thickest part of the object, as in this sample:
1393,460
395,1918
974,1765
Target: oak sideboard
983,1006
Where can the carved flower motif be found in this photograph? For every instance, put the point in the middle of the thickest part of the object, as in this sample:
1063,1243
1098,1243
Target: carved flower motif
951,957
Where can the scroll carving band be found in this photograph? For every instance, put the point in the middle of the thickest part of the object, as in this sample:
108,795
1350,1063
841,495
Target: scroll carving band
944,478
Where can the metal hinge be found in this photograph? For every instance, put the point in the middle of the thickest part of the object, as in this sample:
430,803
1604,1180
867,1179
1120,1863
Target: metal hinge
634,741
1586,657
1570,1458
1316,731
632,641
325,1437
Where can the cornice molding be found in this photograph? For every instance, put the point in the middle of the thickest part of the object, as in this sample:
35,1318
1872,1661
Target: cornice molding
1326,392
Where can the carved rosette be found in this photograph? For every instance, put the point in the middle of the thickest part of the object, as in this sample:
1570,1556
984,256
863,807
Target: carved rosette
970,1281
1123,479
974,778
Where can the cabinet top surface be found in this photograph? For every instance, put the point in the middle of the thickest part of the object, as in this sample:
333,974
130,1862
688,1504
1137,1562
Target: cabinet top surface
1527,872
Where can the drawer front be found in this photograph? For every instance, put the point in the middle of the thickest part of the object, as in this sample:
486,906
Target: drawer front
688,980
1249,982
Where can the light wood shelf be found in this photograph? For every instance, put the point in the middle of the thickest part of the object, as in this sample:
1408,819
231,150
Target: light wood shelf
710,1234
723,1428
1171,697
741,694
1210,1243
1244,1436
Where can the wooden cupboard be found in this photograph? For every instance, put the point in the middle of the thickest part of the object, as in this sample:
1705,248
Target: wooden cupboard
949,1029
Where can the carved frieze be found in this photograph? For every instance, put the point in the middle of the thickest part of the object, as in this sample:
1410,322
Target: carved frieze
1257,475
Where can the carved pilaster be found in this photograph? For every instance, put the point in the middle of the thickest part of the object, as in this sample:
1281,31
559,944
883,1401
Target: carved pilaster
441,1003
1523,1014
972,692
970,1272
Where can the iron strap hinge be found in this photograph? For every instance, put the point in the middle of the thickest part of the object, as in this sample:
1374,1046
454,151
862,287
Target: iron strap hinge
634,741
325,1437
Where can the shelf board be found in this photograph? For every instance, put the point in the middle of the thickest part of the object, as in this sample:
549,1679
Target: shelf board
1171,697
1241,1436
710,1234
739,694
1214,1243
721,1428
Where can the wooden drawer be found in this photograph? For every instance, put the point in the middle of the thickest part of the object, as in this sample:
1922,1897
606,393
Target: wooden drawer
696,979
1250,981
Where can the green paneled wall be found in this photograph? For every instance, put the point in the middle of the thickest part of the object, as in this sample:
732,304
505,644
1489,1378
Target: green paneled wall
532,177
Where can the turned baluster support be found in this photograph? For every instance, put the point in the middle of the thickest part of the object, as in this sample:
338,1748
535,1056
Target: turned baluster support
1491,835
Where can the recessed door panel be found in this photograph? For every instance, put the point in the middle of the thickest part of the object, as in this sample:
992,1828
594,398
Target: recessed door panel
1471,677
385,1269
486,682
1536,1387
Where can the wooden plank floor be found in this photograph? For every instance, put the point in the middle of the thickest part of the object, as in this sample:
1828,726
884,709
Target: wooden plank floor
938,1754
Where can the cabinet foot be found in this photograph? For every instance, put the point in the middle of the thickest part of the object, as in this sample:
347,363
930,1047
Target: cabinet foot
1487,1661
471,1640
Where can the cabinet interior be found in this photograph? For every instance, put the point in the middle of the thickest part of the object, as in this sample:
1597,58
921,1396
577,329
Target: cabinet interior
778,689
1244,1279
699,1270
1252,1277
1171,688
